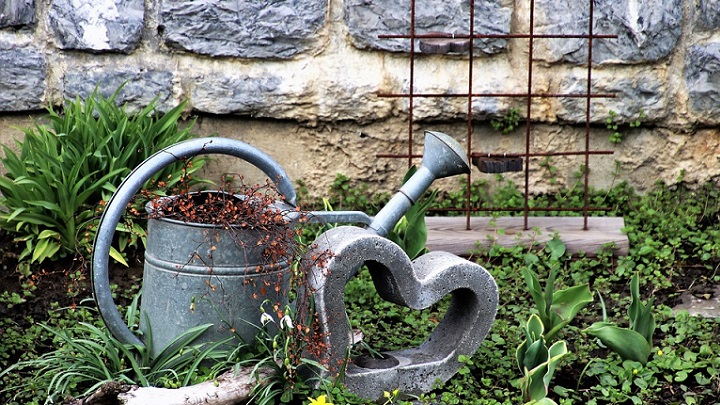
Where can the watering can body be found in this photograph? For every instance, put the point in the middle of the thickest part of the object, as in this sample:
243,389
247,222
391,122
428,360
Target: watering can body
196,274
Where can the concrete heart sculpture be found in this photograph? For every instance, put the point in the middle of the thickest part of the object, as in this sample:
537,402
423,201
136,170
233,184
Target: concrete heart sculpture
415,284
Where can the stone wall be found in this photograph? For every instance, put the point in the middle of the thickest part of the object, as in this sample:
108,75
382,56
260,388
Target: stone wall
300,79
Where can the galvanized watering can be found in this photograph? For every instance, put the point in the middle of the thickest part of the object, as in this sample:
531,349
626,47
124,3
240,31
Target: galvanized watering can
176,290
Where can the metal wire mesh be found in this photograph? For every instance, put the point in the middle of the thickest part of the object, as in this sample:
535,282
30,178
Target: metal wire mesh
529,95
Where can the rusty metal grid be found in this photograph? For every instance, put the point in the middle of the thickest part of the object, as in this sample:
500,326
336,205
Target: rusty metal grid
529,95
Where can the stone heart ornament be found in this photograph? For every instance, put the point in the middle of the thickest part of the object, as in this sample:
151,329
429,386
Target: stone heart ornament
415,284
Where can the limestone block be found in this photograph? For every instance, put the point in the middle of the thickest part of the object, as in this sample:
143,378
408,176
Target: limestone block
247,29
22,79
17,13
708,14
366,20
277,94
239,94
644,90
647,30
141,86
702,77
97,25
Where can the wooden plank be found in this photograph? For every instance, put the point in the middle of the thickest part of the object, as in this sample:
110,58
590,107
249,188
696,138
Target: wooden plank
450,234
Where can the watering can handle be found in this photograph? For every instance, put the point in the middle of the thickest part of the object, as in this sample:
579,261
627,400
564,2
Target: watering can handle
132,184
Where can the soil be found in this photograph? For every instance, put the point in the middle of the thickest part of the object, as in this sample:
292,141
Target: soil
65,281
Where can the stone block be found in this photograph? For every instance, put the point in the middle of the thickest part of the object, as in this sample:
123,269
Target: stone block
223,94
22,79
708,14
366,20
246,29
17,13
643,90
647,30
97,25
141,86
702,77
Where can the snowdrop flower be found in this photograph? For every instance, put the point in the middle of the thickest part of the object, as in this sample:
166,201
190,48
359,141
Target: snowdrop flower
265,319
286,322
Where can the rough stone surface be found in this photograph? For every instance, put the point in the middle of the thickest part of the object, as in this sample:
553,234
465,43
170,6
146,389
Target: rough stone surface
17,13
141,86
707,306
368,19
247,29
97,25
708,14
417,285
702,77
238,94
644,92
22,79
647,30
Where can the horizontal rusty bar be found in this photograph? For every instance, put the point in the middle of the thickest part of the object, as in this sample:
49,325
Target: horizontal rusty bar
521,209
536,154
500,36
518,95
390,155
497,155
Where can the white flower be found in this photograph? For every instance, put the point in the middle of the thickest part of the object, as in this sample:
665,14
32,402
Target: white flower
286,322
265,319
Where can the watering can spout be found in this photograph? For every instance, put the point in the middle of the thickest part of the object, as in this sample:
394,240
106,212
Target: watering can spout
443,157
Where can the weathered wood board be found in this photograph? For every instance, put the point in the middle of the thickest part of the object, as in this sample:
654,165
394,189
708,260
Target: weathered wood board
450,234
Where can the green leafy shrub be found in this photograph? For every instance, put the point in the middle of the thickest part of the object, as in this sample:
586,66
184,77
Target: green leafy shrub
56,185
87,355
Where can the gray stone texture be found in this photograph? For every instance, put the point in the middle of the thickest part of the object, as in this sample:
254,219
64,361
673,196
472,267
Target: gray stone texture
640,92
708,14
97,25
17,13
22,79
238,94
141,86
246,29
702,77
366,20
647,30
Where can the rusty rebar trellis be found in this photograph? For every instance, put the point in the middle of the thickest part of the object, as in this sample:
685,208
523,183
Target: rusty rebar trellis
529,95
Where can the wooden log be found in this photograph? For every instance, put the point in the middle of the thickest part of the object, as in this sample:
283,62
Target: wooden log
228,389
450,234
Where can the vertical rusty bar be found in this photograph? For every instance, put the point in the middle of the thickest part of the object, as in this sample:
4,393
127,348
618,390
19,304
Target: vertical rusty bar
468,183
587,118
411,98
526,208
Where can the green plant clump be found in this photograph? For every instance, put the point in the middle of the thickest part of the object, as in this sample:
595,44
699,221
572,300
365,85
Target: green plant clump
64,172
507,123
